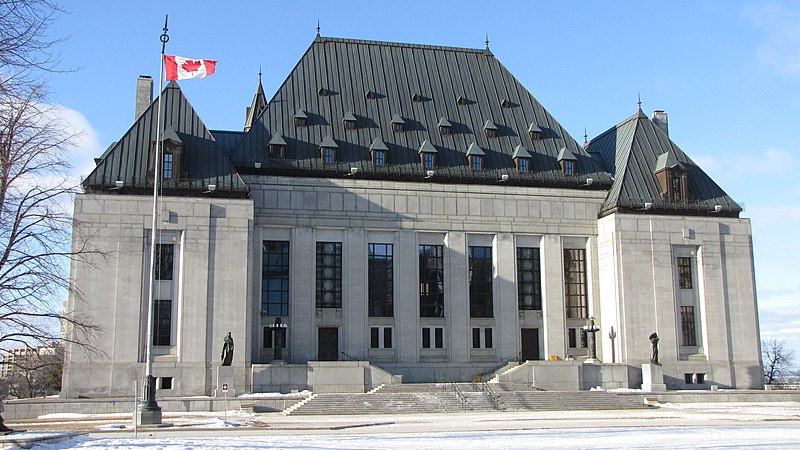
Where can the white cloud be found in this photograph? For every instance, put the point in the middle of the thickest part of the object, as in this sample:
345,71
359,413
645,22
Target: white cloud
771,161
780,48
86,145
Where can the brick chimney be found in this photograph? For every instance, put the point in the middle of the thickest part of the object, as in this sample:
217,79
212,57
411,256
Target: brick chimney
144,94
660,119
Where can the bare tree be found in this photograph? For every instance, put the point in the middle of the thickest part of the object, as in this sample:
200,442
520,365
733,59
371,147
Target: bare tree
777,360
35,373
35,189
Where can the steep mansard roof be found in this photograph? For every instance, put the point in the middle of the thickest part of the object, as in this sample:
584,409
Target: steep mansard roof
377,82
633,152
203,163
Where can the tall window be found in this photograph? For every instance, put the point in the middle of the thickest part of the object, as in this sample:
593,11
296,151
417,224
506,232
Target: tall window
523,165
685,272
428,160
328,155
275,278
529,279
477,163
575,283
168,166
162,323
379,158
381,292
165,257
687,326
569,167
438,337
431,281
329,274
675,181
480,282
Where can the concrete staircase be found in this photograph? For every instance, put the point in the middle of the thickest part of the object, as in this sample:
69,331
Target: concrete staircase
426,398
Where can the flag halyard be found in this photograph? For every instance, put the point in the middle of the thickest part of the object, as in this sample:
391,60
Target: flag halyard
180,68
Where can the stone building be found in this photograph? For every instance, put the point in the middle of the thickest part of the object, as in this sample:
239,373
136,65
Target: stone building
409,210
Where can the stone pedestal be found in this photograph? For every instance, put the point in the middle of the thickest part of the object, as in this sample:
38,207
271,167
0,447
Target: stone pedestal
225,376
653,378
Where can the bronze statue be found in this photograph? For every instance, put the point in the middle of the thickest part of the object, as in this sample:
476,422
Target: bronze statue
227,350
654,349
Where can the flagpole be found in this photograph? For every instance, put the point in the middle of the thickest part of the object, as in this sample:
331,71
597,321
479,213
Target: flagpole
149,413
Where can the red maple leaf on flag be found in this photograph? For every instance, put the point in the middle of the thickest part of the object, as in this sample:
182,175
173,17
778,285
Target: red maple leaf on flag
191,65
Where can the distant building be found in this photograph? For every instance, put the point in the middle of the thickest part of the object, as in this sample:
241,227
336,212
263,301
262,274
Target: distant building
416,207
13,358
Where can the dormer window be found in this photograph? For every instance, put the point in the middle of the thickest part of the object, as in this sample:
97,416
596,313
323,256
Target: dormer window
567,159
349,121
427,155
323,92
476,162
167,166
522,159
416,98
505,103
490,129
327,149
522,165
300,118
369,95
328,155
428,160
461,101
171,156
675,187
535,132
277,147
673,178
398,124
445,127
379,152
476,156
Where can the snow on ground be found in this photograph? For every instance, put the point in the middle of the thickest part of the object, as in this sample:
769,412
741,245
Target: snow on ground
734,437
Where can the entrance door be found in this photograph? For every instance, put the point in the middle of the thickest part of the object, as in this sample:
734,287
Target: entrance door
328,344
530,344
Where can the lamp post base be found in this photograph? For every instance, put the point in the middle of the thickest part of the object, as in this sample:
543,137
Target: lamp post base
148,412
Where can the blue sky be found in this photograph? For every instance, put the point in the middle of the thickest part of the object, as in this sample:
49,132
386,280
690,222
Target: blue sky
726,72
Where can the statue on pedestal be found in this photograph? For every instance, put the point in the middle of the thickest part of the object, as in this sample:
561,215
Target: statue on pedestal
227,350
654,349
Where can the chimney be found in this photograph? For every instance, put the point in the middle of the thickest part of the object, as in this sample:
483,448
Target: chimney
144,94
660,119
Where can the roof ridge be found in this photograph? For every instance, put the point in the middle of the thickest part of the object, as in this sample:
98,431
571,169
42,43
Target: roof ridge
325,39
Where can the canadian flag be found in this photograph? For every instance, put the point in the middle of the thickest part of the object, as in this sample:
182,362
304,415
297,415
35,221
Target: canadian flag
180,68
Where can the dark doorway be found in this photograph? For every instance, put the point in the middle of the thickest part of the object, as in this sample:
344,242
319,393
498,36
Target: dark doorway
328,344
530,344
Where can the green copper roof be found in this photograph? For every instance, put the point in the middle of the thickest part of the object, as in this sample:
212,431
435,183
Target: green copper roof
632,151
378,144
427,147
474,149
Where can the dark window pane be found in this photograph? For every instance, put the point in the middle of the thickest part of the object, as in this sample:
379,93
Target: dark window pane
267,337
480,282
426,338
439,337
162,323
329,274
529,284
165,256
575,283
688,326
573,339
476,338
275,278
387,337
685,272
431,281
381,285
487,338
374,337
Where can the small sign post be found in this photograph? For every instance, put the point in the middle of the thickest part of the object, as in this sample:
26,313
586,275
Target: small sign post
225,391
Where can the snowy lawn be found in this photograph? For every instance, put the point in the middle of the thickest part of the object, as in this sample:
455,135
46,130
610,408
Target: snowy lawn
735,437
